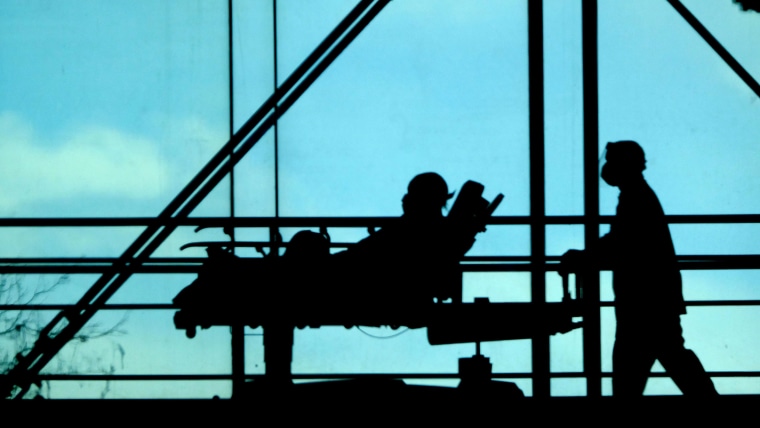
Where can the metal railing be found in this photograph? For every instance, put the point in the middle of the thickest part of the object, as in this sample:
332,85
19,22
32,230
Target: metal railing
185,265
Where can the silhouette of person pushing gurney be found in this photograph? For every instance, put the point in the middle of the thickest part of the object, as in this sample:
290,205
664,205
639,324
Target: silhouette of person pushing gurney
646,281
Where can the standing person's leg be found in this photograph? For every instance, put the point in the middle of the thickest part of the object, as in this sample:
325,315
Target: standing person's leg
632,359
682,364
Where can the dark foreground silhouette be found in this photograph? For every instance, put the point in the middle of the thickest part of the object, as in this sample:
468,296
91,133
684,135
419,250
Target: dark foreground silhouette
646,281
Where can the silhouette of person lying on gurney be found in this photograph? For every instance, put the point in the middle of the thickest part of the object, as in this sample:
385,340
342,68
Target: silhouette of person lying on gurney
382,280
423,233
417,257
398,276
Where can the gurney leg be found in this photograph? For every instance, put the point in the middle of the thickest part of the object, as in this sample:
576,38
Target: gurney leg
278,354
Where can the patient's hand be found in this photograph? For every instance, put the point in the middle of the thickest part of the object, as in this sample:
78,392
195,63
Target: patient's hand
571,261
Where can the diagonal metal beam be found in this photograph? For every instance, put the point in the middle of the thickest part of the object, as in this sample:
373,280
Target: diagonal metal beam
717,47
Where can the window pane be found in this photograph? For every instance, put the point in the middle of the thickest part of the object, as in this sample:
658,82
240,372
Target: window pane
563,97
452,101
108,110
253,83
663,86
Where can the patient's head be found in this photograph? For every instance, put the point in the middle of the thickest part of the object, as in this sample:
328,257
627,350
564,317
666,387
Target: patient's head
426,196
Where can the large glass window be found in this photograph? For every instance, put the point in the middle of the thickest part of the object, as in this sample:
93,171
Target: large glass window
109,109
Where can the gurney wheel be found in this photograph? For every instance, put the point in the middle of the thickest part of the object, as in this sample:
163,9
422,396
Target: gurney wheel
190,332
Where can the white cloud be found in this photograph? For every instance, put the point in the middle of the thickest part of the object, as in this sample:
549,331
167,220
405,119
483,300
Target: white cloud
101,171
97,162
92,161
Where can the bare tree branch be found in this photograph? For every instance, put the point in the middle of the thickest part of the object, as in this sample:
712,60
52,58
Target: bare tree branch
19,330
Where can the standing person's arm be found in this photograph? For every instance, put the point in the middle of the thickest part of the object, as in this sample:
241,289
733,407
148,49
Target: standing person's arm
600,253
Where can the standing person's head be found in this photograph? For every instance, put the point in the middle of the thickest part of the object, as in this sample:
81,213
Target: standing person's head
426,196
625,163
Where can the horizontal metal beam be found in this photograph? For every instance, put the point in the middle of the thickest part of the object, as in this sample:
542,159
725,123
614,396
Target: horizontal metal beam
335,376
195,261
113,307
468,264
741,263
337,221
169,307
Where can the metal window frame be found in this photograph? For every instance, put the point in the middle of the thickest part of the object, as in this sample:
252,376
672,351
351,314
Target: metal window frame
537,263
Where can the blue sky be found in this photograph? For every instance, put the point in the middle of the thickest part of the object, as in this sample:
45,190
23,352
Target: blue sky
109,108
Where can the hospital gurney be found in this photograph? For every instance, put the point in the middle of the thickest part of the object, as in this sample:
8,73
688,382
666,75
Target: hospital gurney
258,291
281,294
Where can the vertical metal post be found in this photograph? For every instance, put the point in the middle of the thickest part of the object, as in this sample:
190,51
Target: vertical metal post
231,93
275,127
540,345
591,321
238,360
237,332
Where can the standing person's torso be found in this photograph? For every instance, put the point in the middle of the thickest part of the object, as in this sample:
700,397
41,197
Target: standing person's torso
646,276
